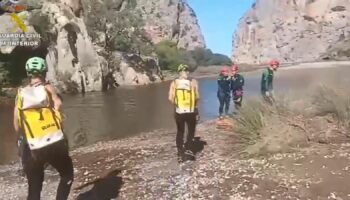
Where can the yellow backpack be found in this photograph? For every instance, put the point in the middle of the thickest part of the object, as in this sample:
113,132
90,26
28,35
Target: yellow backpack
185,96
40,124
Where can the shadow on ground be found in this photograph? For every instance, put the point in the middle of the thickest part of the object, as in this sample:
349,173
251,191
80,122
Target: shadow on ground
104,189
196,147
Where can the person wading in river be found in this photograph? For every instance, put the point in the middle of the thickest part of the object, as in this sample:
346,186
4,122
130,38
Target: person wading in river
237,83
267,82
38,121
223,94
184,95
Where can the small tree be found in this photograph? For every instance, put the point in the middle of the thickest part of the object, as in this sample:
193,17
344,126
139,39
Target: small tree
219,59
170,56
202,55
122,28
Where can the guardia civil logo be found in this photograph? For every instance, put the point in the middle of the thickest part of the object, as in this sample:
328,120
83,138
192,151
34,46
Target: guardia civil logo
13,7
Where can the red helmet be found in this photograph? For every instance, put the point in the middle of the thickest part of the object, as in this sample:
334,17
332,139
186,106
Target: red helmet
224,70
274,62
234,67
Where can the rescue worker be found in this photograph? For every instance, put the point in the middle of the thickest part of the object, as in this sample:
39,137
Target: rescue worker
184,95
267,81
237,83
38,121
224,90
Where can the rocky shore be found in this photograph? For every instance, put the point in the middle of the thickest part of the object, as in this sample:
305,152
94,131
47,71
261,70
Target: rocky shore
145,167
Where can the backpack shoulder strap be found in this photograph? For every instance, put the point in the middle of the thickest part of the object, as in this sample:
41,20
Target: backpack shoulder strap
19,100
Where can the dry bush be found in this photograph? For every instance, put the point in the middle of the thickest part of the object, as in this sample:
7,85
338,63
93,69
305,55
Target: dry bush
271,128
250,121
255,115
332,101
323,116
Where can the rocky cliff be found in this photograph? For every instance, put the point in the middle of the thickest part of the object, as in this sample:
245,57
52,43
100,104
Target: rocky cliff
76,38
172,19
293,31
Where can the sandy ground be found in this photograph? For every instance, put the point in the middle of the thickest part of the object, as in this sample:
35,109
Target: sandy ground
145,167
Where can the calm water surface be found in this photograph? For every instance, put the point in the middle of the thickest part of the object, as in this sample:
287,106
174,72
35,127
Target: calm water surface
132,110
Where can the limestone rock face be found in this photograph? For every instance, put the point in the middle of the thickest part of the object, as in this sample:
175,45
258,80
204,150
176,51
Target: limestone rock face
77,64
291,30
172,19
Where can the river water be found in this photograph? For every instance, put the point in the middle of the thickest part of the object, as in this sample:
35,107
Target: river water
131,110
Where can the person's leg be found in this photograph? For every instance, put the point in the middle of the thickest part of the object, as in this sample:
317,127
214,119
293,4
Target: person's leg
180,125
227,104
191,125
266,98
34,170
221,102
59,158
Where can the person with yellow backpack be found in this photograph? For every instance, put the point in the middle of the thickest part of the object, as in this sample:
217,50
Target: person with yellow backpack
184,95
37,119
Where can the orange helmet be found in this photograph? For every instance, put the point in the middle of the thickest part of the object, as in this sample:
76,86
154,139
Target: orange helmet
234,67
224,70
274,62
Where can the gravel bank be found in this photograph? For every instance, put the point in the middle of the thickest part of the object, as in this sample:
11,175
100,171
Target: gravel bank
145,167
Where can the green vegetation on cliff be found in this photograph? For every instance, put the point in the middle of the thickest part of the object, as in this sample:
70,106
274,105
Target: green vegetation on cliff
170,56
116,28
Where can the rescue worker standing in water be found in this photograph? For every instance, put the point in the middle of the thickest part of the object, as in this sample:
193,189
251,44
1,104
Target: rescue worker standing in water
224,90
237,83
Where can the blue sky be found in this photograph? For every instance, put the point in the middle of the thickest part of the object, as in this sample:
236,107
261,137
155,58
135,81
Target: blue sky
218,20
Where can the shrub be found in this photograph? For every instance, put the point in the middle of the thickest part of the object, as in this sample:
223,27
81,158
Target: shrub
289,123
338,8
171,3
205,57
170,56
202,55
250,122
123,28
268,128
42,25
132,4
219,59
329,101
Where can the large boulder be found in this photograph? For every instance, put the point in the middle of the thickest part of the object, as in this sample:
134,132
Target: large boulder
136,70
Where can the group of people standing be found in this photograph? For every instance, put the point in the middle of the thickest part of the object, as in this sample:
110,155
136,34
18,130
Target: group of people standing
184,95
230,82
38,119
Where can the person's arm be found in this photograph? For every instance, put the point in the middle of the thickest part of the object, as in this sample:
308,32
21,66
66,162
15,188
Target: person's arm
196,88
242,81
56,100
220,87
15,117
264,82
171,95
15,120
232,84
271,84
